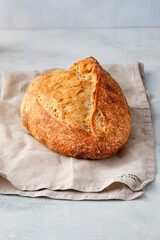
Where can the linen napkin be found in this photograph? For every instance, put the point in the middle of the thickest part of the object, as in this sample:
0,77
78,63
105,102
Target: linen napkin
29,168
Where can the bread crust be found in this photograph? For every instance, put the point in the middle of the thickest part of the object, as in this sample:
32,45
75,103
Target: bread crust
57,112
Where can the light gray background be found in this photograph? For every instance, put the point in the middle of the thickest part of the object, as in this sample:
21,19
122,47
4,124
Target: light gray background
79,13
23,218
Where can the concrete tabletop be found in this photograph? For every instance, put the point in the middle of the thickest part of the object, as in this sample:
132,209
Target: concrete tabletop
23,218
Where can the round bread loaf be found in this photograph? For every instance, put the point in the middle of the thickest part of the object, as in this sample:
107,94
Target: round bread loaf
80,112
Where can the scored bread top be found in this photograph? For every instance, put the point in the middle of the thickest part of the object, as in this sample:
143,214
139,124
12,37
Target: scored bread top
86,100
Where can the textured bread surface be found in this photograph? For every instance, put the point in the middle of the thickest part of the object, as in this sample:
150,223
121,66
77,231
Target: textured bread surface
80,112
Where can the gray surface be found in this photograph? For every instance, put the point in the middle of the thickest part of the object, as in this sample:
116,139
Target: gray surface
41,218
79,13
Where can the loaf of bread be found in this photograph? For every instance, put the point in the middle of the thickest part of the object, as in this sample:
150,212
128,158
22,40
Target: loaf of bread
80,112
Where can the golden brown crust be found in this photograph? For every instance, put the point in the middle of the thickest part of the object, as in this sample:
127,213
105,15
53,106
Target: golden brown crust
81,112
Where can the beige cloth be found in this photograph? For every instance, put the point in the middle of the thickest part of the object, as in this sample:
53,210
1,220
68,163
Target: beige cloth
29,168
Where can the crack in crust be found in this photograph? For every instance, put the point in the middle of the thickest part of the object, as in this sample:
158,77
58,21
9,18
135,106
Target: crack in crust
80,112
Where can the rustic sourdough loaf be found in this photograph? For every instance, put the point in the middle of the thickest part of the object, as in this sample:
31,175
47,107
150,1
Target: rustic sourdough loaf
80,112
